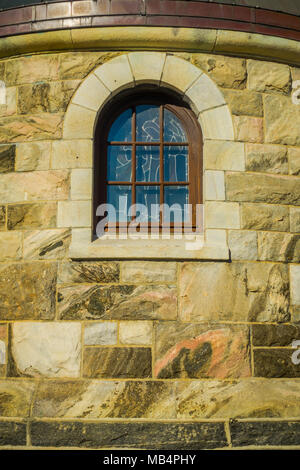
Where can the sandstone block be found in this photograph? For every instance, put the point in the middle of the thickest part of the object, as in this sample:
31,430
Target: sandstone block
274,335
204,94
183,80
242,244
37,127
100,333
221,215
266,158
294,160
279,247
245,103
261,292
282,120
44,97
122,302
262,188
224,155
148,271
275,362
33,156
10,246
135,332
196,351
228,72
31,294
249,129
88,272
74,214
16,397
7,158
295,284
145,66
105,399
214,185
268,77
295,219
2,217
35,68
264,217
81,184
72,154
46,244
27,216
76,65
117,362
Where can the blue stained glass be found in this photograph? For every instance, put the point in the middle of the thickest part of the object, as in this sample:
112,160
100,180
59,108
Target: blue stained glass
179,197
120,198
173,130
176,163
148,196
147,163
147,123
121,129
119,163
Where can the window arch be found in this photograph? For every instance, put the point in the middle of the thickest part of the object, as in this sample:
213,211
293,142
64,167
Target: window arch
148,151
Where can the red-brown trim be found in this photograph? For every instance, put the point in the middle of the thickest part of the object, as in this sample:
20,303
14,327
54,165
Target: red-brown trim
176,13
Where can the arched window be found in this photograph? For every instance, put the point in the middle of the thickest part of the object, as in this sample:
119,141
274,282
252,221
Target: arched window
148,155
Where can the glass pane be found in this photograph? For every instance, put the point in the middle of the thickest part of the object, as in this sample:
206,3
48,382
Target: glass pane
121,130
147,163
148,195
176,163
176,196
119,163
173,130
147,123
120,198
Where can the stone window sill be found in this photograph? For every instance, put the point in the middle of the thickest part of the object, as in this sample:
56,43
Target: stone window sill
141,247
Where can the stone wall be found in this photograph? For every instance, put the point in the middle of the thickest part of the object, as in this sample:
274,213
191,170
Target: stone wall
150,354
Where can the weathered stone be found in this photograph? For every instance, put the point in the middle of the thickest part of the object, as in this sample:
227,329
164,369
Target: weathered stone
294,160
261,292
2,217
3,352
35,185
47,349
88,272
245,103
219,214
224,155
275,362
16,397
26,216
31,293
282,120
33,156
196,351
105,399
295,283
135,332
125,302
100,333
36,127
79,64
278,247
46,97
264,217
166,436
227,72
7,158
12,433
10,246
242,244
251,398
46,244
248,129
274,335
268,77
268,433
295,219
267,158
9,107
32,69
72,154
109,362
148,271
245,187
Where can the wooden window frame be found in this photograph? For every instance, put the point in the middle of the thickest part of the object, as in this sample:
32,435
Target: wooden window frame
130,99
